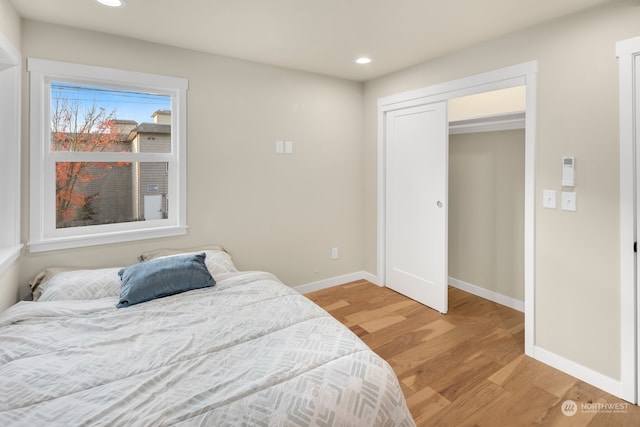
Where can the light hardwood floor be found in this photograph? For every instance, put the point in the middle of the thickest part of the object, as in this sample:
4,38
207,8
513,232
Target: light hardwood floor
467,368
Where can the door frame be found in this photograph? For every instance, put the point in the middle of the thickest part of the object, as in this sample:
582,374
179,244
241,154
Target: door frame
516,75
627,51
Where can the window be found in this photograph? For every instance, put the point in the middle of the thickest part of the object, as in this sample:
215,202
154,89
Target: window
10,71
108,155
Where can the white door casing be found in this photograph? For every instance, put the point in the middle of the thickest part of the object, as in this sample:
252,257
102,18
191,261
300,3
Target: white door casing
636,112
628,52
416,204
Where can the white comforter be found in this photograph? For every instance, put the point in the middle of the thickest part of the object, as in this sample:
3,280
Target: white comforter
249,351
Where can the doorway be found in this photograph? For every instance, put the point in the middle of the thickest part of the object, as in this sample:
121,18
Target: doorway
486,195
519,75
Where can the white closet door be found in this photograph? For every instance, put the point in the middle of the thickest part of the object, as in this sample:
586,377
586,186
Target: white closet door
416,141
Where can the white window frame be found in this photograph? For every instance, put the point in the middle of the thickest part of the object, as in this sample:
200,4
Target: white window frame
10,88
43,233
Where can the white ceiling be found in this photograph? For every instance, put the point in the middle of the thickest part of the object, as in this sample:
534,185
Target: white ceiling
322,36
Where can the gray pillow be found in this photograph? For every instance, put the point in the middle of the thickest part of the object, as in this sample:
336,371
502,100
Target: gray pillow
163,277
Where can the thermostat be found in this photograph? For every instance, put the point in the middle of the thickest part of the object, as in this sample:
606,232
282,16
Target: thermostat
568,172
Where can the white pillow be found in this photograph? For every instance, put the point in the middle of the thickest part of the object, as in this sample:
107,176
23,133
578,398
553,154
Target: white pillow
81,285
217,261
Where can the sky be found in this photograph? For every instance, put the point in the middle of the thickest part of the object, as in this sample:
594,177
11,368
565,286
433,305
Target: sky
127,105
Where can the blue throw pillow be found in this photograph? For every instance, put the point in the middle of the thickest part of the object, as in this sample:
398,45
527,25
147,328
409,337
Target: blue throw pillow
163,277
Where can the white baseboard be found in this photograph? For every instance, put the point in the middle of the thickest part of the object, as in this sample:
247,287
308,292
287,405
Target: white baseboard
487,294
371,278
596,379
365,275
335,281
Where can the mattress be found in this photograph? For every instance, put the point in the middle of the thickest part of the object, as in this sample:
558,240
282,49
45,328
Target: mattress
248,351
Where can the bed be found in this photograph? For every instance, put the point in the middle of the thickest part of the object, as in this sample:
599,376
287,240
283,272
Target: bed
245,351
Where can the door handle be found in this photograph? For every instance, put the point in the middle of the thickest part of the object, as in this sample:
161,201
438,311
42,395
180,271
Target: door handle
439,204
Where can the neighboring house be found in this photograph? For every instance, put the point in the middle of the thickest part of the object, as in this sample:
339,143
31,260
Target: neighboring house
130,192
151,179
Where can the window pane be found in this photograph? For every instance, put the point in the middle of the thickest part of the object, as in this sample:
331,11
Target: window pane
87,118
89,193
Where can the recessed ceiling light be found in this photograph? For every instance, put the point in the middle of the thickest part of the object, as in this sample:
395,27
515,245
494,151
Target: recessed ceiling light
113,3
363,60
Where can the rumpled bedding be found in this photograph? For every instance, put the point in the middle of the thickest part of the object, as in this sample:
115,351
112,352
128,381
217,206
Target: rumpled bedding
248,351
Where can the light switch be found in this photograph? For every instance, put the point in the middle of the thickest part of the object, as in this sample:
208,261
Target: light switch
569,201
279,147
288,147
549,199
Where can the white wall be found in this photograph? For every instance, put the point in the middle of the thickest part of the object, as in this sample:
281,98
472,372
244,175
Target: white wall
577,254
281,213
10,23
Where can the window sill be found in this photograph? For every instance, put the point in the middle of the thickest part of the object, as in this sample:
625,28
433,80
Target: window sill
8,256
105,238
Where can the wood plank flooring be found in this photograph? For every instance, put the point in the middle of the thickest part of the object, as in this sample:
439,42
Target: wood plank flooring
467,368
